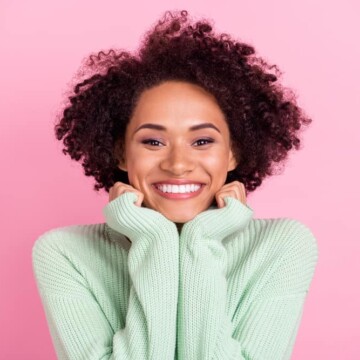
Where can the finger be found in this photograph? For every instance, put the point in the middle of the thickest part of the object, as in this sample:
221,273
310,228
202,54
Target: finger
113,190
120,188
219,201
235,189
140,199
220,197
234,193
116,190
239,188
243,194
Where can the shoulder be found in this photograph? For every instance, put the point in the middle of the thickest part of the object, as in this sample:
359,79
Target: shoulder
292,253
58,255
279,255
284,235
66,257
267,244
75,245
62,238
64,245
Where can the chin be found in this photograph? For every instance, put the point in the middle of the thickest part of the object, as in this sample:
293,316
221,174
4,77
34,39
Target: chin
179,213
180,218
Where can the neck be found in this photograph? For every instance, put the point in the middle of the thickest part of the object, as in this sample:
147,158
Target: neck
179,226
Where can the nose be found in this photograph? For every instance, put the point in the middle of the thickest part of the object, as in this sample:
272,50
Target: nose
178,161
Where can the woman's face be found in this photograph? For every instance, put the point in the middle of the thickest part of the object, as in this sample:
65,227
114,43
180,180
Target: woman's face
177,149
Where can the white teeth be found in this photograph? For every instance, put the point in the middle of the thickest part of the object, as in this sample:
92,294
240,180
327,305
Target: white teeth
175,189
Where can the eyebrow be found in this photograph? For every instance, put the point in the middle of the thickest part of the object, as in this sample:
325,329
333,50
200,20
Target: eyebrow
163,128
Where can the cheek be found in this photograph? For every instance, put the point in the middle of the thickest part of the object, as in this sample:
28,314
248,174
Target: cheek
135,173
216,164
139,167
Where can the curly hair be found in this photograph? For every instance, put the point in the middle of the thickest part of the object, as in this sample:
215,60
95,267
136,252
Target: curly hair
262,115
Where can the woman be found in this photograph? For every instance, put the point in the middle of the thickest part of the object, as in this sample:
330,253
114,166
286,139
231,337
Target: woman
178,134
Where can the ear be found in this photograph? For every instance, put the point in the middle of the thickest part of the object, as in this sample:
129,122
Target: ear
122,164
232,161
120,156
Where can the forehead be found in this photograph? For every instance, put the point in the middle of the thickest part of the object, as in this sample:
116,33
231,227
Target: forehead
177,102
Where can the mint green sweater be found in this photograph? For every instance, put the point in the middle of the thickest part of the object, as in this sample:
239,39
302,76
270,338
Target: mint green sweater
229,287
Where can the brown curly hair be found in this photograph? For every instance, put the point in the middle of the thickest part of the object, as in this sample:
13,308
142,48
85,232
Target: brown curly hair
263,117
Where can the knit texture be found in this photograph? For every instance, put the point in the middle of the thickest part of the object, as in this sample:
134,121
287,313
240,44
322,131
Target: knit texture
228,287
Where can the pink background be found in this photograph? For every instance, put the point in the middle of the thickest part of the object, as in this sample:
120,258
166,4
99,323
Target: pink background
315,43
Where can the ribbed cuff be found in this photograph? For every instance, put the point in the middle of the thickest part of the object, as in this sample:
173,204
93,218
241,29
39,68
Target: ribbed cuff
226,346
219,223
122,215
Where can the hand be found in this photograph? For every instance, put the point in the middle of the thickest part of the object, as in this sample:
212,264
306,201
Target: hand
231,215
128,217
120,188
235,189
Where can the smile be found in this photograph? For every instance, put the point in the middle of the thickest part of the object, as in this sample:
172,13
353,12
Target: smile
171,191
176,189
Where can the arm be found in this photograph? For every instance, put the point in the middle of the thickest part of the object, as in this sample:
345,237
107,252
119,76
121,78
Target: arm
266,328
77,323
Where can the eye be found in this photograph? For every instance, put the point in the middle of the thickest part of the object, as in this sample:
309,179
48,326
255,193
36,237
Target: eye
204,141
151,142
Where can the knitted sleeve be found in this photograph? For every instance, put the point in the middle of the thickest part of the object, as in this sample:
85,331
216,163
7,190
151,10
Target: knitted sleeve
78,326
266,328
